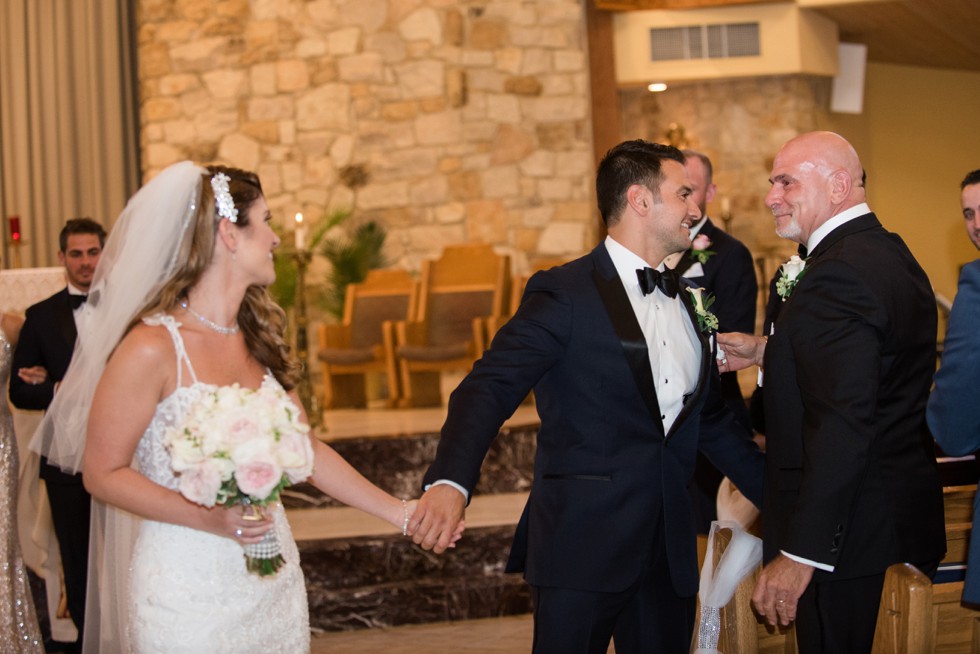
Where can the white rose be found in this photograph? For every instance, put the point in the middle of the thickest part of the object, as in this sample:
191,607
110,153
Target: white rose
184,454
295,455
793,267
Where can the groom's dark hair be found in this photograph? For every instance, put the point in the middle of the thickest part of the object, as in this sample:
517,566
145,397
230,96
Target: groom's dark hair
629,163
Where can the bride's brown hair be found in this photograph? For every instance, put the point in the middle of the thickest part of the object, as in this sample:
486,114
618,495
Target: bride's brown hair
262,321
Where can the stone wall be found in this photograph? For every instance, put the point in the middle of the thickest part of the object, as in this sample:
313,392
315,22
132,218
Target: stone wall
445,120
740,125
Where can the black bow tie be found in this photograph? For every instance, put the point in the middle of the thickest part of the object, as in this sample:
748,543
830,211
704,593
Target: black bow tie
801,250
76,300
651,279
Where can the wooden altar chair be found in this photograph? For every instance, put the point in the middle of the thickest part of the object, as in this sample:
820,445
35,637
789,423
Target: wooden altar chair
364,342
459,291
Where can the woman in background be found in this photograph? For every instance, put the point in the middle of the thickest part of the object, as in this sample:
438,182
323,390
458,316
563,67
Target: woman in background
19,630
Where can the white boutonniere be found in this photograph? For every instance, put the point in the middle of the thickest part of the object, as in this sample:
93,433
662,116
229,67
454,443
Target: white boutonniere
792,270
699,249
707,321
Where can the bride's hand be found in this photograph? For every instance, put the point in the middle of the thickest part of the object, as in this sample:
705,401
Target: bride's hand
241,525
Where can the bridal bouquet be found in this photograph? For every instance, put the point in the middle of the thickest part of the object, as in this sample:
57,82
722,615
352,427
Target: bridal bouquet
242,446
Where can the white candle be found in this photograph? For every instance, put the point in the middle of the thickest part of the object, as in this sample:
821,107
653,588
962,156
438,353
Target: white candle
726,206
300,233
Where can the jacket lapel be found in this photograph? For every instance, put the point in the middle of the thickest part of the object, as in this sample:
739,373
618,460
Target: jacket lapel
66,320
617,304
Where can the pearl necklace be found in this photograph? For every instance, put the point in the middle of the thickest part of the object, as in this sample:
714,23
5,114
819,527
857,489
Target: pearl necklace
210,324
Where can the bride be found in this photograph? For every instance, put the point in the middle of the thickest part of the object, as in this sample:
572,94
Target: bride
179,308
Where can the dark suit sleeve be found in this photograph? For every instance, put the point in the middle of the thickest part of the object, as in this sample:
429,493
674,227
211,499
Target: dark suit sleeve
29,352
952,412
729,446
735,289
837,351
524,349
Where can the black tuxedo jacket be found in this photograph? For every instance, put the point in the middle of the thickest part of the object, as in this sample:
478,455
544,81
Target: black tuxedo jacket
46,339
606,475
851,477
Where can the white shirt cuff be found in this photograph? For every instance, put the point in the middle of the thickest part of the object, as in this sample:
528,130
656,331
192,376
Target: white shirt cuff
447,482
813,564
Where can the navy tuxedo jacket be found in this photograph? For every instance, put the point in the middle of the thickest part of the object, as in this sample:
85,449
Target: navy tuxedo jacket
607,478
952,410
851,476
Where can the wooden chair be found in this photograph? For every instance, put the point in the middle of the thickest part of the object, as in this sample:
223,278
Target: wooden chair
742,631
459,291
364,342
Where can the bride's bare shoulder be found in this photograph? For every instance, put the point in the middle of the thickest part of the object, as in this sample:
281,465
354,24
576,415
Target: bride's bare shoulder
147,345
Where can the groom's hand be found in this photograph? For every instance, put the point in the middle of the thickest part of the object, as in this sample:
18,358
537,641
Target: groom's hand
434,524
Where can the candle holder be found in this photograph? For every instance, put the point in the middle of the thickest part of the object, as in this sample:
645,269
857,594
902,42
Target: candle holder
726,219
304,388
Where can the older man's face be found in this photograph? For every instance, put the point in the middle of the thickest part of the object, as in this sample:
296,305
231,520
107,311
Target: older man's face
800,194
970,198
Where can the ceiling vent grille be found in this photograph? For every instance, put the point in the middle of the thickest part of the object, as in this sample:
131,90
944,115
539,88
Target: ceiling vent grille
704,42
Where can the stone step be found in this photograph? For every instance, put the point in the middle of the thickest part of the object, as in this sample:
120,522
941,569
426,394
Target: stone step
361,573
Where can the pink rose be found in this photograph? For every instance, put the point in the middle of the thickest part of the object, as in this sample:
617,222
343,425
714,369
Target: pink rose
201,484
701,242
256,470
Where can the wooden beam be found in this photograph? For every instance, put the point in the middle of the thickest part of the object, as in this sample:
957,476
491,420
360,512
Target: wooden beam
637,5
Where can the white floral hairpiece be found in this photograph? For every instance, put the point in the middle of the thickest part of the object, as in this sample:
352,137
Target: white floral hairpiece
226,205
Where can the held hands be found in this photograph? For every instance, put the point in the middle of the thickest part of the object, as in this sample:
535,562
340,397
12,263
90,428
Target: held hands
779,588
437,524
737,351
34,375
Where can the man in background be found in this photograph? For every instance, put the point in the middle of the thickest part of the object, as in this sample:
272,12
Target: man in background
952,412
723,266
970,198
46,344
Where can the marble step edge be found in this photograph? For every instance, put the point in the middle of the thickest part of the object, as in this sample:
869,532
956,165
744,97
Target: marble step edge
351,424
499,509
418,601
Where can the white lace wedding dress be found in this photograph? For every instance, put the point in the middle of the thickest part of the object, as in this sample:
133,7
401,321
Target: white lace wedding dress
189,589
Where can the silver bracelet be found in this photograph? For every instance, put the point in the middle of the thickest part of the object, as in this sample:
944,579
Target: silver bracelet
405,521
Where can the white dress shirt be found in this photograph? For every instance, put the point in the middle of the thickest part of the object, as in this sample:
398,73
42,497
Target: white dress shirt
672,342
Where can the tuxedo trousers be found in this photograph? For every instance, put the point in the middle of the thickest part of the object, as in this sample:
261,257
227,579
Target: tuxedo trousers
70,512
646,618
839,616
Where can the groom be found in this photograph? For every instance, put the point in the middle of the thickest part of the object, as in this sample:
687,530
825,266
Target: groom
46,343
625,381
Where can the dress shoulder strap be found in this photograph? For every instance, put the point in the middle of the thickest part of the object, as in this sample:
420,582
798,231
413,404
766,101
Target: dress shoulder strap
173,327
